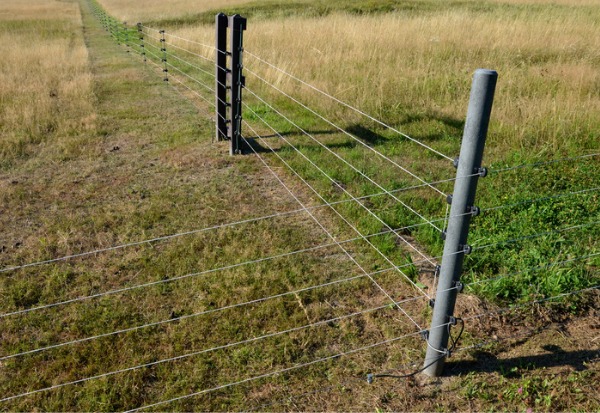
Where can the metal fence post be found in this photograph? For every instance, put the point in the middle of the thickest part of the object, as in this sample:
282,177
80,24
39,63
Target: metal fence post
163,49
126,31
462,209
141,37
221,21
237,25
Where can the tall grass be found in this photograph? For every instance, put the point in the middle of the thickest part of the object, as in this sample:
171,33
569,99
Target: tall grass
150,10
46,83
410,64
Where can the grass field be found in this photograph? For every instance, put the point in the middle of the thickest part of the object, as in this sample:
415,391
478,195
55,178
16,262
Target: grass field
97,151
410,64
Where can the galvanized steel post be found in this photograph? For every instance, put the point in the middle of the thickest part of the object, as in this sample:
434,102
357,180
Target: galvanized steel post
462,209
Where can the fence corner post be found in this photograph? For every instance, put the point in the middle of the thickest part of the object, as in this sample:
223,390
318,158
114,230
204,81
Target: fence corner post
221,21
237,25
461,210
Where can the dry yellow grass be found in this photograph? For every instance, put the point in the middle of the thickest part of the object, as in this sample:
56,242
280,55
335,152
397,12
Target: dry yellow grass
144,10
548,65
46,83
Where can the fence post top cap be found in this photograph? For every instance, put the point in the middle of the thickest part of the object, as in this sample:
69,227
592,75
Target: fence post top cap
486,72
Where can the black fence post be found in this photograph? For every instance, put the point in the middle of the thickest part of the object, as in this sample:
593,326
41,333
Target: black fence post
126,31
163,49
237,25
141,37
221,104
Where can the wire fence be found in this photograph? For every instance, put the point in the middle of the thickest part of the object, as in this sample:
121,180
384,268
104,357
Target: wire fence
383,216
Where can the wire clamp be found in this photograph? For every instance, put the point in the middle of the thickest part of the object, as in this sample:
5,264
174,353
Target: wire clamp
370,378
452,320
466,249
455,162
482,172
474,210
443,235
459,286
425,335
449,199
436,271
432,303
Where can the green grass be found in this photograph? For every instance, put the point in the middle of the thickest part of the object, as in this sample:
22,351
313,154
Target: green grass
148,168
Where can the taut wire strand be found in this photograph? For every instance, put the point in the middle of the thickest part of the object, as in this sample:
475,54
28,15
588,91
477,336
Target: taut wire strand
348,106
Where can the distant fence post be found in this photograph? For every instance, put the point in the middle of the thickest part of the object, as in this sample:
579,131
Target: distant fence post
126,30
163,49
221,21
462,209
141,37
237,25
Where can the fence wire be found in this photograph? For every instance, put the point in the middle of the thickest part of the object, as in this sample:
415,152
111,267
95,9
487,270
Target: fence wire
122,36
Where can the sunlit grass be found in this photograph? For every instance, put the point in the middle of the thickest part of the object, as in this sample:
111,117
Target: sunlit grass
52,97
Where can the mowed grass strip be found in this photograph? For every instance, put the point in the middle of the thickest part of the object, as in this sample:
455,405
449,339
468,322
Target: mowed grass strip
147,167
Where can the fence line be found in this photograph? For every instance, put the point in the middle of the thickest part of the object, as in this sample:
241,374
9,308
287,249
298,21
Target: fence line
388,373
543,163
538,268
197,274
545,198
308,210
231,224
334,182
333,125
344,250
274,296
347,105
536,235
354,351
341,216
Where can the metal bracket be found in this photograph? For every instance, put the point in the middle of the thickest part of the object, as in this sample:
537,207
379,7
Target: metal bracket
425,335
474,210
452,320
459,286
467,249
482,172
